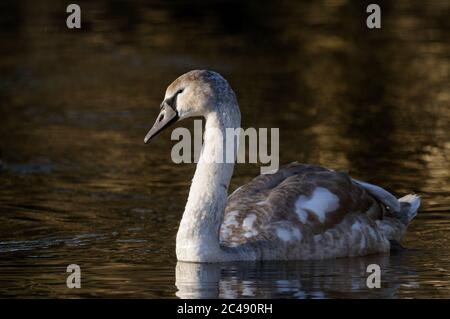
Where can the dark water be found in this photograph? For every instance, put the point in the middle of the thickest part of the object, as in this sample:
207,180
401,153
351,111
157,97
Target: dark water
77,185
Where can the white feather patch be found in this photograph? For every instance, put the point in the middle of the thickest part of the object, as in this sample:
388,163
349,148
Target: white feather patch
321,202
287,233
283,234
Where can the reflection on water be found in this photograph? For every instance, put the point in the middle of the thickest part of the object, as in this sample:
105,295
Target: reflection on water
341,278
78,186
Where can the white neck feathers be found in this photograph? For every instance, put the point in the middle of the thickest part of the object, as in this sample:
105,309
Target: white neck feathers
198,234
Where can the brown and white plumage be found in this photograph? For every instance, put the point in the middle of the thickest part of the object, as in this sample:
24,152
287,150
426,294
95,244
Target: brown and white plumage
310,212
299,212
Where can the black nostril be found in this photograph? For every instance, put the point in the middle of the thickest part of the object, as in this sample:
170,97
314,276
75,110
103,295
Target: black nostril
161,117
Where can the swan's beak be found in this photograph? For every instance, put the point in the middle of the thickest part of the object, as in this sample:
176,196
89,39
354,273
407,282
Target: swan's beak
166,117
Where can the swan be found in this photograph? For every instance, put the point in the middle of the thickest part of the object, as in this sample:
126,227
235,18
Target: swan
300,212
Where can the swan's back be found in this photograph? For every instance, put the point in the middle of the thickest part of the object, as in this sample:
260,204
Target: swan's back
307,212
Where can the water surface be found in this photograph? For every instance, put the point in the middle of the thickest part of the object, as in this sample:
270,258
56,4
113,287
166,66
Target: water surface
77,185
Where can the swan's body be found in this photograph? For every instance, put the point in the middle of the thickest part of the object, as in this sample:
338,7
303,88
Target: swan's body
299,212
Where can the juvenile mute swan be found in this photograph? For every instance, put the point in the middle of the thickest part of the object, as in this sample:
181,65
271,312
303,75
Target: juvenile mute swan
300,212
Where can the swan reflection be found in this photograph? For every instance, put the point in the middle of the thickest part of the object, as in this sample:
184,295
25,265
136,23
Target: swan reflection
339,278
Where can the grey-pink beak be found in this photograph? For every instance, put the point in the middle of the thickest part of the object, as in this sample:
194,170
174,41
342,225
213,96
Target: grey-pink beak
166,117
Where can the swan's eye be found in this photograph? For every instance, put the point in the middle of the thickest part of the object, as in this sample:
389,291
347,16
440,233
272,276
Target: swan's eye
172,102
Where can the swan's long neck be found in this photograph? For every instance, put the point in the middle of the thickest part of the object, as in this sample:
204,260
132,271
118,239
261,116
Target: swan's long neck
198,235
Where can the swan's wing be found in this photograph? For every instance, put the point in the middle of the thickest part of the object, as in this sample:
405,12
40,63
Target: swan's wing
297,202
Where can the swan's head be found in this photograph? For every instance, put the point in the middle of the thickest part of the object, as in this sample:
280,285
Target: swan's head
195,93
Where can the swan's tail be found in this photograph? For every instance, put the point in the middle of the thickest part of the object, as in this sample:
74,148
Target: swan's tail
404,209
394,229
409,205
